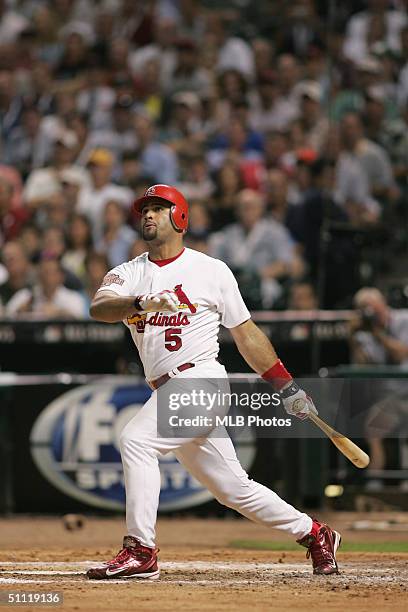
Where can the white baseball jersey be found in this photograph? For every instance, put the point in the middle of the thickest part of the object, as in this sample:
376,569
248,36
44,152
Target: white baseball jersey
208,295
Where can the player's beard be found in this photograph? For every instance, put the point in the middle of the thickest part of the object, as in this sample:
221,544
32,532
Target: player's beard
149,233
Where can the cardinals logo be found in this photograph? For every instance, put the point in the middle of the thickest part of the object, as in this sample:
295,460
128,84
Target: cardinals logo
183,299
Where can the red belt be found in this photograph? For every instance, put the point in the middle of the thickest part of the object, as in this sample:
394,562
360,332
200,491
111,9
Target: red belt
158,382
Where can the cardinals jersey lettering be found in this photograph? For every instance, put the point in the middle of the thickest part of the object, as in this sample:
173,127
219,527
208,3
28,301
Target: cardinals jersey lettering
208,295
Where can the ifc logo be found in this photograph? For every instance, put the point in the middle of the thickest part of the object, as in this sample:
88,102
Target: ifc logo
75,446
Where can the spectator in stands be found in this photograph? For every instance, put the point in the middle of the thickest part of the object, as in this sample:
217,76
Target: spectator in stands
48,298
158,160
269,109
379,336
160,48
199,224
92,200
258,244
300,173
46,29
78,123
97,97
184,132
263,56
28,147
315,124
197,183
71,185
30,239
12,23
11,218
371,158
237,142
337,258
352,187
149,92
11,105
302,296
302,28
228,184
117,237
130,169
117,136
288,70
54,246
19,271
75,57
43,184
96,267
11,175
376,24
277,195
391,134
232,87
233,52
79,244
187,74
403,74
276,148
199,221
55,212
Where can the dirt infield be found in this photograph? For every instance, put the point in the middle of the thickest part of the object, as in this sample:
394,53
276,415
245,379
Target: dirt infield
200,568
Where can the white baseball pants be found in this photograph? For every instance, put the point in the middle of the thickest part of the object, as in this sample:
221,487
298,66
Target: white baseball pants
211,460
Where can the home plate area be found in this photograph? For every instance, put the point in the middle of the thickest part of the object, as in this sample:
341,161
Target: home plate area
217,565
199,573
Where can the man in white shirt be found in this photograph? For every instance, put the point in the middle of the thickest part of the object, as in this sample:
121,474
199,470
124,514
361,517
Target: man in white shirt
93,198
173,301
259,244
48,298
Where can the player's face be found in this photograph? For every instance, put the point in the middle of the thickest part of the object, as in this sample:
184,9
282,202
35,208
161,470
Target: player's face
156,222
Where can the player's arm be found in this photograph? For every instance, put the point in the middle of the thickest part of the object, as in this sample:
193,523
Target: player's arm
109,307
259,353
254,346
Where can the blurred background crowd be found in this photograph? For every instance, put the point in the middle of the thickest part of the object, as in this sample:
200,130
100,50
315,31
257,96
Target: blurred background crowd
285,125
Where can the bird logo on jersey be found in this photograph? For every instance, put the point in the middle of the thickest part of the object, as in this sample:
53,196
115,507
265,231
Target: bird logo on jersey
183,299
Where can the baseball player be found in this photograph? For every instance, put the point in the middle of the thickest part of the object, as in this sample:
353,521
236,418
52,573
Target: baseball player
173,300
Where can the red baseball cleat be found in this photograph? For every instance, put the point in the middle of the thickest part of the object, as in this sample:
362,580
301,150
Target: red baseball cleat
322,543
133,561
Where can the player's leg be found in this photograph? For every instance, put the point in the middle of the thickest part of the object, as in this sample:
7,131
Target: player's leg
214,463
140,448
138,556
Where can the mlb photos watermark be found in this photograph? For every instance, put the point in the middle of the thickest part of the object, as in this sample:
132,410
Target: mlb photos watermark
194,407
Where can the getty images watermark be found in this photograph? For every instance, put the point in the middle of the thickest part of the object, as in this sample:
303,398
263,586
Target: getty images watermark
212,402
358,408
190,408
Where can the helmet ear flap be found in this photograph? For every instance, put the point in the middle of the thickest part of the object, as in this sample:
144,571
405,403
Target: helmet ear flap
173,212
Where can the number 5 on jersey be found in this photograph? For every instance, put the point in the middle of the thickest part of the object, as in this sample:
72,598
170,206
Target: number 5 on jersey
172,339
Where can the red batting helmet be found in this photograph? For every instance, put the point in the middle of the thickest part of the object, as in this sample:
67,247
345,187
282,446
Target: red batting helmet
178,208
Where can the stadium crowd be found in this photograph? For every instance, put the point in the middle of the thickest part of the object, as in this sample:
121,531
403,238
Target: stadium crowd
285,125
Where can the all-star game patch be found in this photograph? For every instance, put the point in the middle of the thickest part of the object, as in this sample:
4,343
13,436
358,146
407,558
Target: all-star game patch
112,279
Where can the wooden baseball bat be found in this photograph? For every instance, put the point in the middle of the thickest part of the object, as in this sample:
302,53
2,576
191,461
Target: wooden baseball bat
345,446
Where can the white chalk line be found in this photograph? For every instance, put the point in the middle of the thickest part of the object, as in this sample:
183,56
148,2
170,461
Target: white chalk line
35,572
176,565
131,581
74,567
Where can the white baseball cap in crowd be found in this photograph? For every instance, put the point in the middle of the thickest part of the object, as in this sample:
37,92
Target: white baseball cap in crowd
310,89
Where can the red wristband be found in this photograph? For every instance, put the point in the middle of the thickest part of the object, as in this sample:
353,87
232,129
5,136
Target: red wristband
277,375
